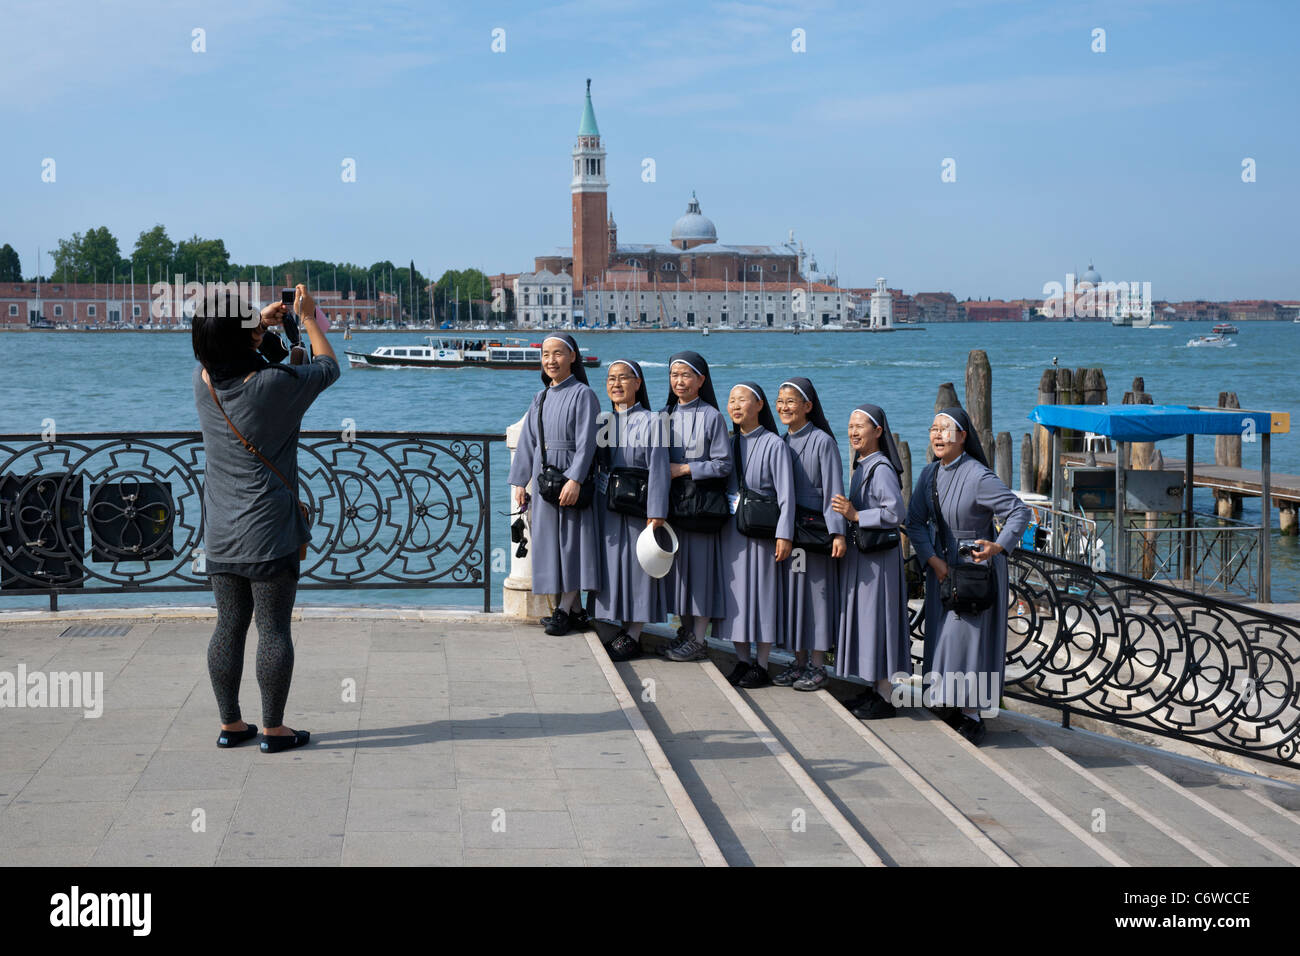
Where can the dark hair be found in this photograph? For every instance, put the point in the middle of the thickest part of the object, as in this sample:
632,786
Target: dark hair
222,336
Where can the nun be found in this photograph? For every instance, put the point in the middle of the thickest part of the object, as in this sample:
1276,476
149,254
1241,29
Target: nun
755,596
629,451
811,578
565,534
964,651
873,642
699,454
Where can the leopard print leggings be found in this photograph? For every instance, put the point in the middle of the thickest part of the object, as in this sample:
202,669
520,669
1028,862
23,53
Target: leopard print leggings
237,598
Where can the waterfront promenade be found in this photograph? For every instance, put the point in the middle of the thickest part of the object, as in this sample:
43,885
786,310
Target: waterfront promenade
450,738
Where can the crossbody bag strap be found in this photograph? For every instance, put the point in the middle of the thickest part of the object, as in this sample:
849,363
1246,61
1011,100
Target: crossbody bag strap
938,512
740,462
248,444
541,431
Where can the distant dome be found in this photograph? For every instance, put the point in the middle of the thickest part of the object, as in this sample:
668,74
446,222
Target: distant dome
1092,276
694,224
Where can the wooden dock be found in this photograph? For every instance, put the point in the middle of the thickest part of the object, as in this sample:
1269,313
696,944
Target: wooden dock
1239,481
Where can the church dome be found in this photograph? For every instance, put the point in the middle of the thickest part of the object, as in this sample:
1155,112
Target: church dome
1092,276
694,225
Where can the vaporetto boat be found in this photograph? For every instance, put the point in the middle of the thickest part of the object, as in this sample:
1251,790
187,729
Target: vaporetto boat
458,353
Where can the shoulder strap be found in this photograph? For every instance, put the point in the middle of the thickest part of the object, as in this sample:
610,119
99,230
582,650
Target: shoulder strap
740,463
541,431
934,505
248,444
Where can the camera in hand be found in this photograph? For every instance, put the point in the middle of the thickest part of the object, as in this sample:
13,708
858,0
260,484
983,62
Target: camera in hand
966,549
290,321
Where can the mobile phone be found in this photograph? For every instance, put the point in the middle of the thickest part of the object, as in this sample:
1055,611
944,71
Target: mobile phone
286,296
289,322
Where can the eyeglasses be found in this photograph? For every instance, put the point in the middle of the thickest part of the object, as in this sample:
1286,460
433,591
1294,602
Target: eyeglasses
621,378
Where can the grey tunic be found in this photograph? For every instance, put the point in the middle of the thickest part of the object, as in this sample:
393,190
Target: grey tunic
697,583
965,653
249,514
754,595
812,588
629,594
874,643
565,542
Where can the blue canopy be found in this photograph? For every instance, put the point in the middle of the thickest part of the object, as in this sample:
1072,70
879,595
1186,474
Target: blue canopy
1147,422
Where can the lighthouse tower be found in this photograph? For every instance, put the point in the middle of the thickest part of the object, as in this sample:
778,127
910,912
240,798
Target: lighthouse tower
591,228
882,307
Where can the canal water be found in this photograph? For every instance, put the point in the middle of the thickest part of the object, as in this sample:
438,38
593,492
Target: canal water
140,381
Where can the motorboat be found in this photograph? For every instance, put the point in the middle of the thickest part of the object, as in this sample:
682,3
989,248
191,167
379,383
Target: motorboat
458,353
1211,341
1225,328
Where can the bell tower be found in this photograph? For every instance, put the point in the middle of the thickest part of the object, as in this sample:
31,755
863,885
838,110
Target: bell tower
590,203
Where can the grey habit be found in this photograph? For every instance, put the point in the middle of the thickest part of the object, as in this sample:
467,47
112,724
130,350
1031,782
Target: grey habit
697,583
629,593
754,595
874,643
812,595
966,653
565,542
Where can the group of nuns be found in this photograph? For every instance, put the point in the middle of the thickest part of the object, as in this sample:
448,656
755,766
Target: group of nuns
793,561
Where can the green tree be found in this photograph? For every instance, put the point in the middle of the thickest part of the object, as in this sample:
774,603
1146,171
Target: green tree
68,259
101,257
202,259
10,269
153,255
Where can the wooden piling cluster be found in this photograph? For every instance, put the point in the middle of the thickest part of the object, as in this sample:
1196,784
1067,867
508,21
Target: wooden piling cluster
1059,386
1227,451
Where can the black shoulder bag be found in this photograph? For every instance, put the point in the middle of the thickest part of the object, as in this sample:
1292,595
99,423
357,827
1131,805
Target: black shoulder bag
551,480
757,514
969,588
698,504
628,488
870,540
810,530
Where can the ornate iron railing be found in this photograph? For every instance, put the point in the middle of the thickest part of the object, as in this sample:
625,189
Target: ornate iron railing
1151,657
123,512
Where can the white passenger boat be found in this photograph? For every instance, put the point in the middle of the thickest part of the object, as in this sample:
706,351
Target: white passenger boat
458,353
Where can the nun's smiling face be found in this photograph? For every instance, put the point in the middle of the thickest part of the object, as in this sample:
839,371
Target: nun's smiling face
622,384
685,381
946,439
792,408
557,360
743,406
864,437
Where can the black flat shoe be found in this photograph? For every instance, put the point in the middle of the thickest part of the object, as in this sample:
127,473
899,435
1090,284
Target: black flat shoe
558,623
972,729
861,700
757,676
233,738
623,647
875,709
737,672
274,744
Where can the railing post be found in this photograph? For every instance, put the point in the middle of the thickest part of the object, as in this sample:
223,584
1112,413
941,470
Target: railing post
517,597
1265,520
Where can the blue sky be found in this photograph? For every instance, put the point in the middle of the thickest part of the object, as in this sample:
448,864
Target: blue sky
1131,157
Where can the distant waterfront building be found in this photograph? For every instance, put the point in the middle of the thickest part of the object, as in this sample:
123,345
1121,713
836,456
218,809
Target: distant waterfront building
692,279
543,299
882,307
995,311
937,307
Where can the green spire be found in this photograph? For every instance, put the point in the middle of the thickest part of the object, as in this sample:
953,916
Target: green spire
588,125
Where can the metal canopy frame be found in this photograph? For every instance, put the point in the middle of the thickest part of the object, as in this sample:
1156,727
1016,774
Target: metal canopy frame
1144,423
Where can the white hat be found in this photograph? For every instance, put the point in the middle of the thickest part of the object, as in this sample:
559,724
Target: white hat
655,561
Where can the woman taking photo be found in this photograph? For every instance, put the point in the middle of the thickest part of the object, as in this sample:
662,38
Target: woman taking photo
555,454
811,583
755,544
950,525
873,641
699,457
634,474
250,412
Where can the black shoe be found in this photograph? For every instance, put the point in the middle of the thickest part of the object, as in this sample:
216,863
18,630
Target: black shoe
233,738
756,676
558,623
683,635
273,745
579,619
972,729
861,700
953,718
624,647
737,672
876,709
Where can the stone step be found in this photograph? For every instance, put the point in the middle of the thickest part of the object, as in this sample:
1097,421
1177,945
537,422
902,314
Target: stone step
756,811
898,812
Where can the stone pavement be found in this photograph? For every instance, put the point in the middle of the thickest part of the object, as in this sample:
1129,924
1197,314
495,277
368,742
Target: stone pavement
450,738
464,743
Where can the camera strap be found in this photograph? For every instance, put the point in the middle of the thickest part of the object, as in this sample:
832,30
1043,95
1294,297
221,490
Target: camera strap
950,548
